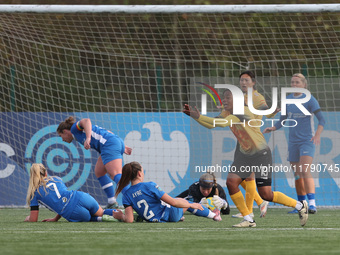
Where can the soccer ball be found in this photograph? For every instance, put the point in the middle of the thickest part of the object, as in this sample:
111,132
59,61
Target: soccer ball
211,204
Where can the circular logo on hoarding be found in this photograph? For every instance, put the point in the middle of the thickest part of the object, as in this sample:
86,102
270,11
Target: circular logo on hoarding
67,160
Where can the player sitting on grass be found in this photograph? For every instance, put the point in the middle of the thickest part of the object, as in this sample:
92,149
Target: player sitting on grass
151,203
51,192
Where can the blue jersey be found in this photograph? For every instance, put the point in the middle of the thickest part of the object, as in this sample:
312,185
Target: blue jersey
99,136
56,197
145,199
304,130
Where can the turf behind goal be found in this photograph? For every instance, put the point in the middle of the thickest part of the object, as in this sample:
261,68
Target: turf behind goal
131,68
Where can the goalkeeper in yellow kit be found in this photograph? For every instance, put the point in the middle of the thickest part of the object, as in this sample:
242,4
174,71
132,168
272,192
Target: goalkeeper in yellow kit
253,151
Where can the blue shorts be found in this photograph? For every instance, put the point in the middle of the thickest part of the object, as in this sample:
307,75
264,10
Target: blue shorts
175,214
296,150
86,207
113,149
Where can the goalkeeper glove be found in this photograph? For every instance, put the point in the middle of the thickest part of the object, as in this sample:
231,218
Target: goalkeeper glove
219,202
204,202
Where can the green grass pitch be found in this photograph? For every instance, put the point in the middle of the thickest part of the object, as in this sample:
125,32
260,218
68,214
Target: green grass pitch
278,233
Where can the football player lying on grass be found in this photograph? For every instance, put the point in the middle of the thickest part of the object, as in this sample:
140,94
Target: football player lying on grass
151,203
51,192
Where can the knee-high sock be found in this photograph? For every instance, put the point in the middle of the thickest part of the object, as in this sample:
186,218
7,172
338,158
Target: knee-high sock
257,197
250,194
116,179
238,200
107,185
283,199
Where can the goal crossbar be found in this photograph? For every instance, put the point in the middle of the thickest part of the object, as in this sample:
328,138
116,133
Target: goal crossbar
270,8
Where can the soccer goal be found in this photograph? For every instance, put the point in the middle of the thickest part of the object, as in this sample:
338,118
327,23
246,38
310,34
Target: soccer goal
130,69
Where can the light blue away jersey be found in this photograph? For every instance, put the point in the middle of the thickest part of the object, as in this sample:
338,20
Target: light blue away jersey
99,136
56,198
304,131
145,199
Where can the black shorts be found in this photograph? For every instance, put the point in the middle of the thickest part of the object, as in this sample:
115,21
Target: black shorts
244,165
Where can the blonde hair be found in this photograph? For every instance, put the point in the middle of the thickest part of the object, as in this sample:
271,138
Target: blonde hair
37,178
302,78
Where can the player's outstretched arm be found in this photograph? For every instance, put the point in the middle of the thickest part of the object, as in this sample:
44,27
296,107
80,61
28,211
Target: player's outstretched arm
180,202
193,113
126,217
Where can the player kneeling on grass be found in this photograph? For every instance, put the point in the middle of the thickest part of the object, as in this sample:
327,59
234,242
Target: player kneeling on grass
51,192
151,203
205,188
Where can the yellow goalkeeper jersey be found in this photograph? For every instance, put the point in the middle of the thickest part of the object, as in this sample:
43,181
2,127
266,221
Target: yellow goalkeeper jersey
250,138
259,103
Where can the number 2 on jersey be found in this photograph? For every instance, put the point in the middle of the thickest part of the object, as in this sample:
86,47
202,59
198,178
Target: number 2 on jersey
147,214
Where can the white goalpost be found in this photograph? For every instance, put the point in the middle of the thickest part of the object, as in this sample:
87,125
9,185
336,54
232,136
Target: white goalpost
130,69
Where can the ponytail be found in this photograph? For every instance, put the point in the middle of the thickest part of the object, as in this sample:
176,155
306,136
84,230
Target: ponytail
129,173
37,178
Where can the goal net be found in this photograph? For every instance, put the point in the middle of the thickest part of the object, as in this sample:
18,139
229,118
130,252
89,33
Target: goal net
130,69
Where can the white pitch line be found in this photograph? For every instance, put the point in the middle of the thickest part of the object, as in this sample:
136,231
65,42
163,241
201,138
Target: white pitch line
172,229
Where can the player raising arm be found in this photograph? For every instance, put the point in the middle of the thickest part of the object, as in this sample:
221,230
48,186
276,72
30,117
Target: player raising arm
51,192
253,151
151,203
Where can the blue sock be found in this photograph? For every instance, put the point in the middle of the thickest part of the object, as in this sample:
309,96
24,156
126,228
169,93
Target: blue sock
311,196
203,213
94,218
301,197
107,185
116,179
108,211
311,199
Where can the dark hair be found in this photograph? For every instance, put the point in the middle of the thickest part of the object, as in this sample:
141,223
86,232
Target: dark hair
129,172
226,90
67,124
251,75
